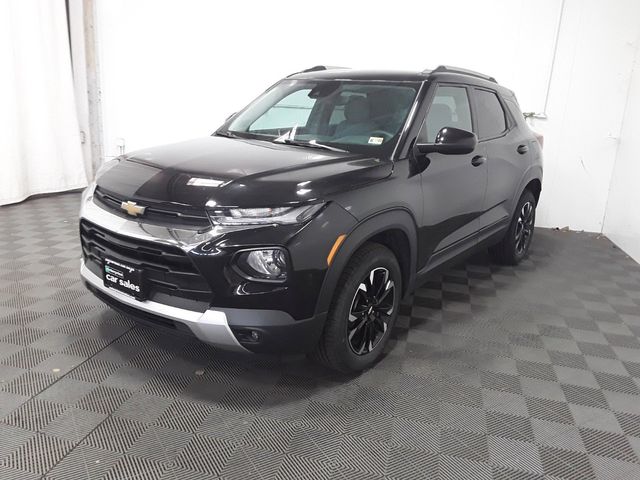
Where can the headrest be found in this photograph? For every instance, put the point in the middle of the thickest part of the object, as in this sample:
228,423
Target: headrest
357,110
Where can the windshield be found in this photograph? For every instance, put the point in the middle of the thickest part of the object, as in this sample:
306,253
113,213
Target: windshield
351,115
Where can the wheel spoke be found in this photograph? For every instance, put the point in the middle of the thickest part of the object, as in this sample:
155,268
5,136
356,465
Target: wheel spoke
357,328
388,288
380,324
386,310
377,279
371,336
519,230
365,340
359,303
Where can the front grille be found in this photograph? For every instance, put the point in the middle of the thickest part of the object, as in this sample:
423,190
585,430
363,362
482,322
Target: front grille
170,275
168,215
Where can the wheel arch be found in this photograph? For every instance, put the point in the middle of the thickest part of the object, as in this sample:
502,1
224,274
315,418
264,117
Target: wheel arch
531,180
396,229
535,187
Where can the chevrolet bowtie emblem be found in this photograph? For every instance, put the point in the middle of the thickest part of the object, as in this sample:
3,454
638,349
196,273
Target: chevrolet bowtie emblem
132,208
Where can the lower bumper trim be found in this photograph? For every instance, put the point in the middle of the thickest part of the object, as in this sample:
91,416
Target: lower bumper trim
211,326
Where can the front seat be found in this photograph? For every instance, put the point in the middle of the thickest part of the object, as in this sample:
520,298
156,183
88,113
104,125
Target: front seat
440,115
357,118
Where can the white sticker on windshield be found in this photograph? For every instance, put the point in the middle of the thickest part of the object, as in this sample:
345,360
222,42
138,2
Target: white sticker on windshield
376,140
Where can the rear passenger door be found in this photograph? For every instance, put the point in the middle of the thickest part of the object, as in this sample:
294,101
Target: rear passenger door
506,149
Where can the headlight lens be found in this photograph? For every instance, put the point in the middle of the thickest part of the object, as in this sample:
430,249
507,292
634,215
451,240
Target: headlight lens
87,193
264,264
264,216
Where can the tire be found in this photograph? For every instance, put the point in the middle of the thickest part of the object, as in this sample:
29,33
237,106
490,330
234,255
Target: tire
515,244
358,325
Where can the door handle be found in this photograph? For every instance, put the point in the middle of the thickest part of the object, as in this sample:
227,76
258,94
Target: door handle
522,149
478,160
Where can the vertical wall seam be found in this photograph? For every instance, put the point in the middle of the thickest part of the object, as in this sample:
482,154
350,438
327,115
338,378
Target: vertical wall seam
553,57
634,71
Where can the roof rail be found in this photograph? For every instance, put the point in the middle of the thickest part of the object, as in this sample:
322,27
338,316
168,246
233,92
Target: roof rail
464,71
317,68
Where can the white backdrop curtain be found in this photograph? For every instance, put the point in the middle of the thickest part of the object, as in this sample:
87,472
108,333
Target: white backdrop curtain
39,136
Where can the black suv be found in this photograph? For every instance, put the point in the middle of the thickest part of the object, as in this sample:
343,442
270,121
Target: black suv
303,220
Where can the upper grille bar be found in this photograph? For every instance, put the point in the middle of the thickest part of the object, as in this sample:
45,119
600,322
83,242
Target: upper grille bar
154,213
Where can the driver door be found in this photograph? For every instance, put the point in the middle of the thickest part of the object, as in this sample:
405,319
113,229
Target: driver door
454,186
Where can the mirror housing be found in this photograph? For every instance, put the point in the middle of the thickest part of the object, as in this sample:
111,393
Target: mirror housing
450,141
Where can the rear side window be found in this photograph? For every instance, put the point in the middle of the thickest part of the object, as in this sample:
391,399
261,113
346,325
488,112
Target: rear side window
450,108
515,111
490,115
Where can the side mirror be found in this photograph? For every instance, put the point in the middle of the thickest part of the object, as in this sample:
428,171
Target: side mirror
450,141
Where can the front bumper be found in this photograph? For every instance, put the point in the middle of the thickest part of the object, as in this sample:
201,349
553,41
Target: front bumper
277,331
247,323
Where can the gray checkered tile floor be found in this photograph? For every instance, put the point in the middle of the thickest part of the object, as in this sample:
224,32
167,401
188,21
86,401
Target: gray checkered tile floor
507,373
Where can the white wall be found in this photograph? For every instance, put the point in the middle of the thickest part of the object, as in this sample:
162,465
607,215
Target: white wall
622,220
586,104
172,70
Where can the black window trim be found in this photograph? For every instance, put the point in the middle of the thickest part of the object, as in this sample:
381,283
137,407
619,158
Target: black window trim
507,118
470,99
510,112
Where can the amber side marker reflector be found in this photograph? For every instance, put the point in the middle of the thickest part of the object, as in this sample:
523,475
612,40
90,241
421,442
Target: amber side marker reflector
334,249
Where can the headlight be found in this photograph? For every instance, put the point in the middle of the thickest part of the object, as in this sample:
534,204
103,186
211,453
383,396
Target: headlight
264,216
87,193
264,264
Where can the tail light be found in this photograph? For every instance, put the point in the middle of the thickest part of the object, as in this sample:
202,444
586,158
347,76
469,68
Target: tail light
540,139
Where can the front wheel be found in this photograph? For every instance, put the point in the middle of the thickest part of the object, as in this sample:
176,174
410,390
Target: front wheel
517,240
363,310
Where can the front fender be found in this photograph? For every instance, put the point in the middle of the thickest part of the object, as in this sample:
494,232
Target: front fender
397,219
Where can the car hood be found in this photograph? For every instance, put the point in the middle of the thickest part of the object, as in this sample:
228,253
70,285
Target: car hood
241,172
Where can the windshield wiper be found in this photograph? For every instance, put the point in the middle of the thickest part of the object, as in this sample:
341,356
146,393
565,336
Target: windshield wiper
226,133
310,144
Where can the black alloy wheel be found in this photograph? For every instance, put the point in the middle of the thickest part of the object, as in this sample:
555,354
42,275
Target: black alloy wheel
524,228
363,311
515,244
371,310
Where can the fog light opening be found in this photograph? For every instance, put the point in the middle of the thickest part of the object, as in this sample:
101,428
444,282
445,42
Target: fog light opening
268,264
248,335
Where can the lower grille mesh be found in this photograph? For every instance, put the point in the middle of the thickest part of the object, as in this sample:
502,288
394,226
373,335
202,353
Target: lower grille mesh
168,270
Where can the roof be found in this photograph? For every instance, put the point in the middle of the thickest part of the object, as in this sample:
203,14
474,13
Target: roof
443,73
338,73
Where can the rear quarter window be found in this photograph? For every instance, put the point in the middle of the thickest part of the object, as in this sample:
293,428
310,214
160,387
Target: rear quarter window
516,113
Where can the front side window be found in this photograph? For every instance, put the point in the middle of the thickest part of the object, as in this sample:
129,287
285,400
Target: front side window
352,115
491,118
449,108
